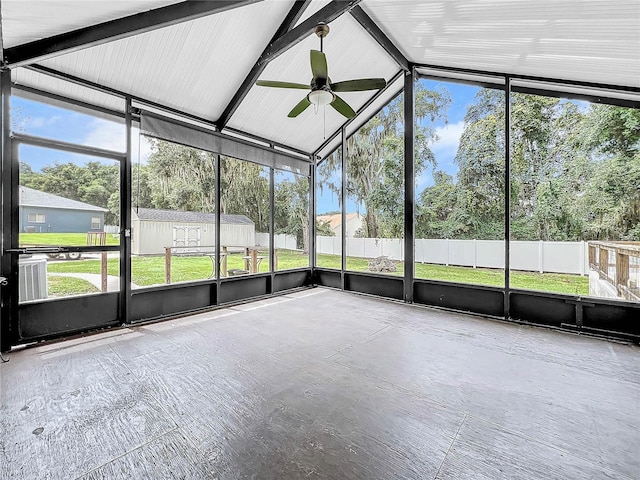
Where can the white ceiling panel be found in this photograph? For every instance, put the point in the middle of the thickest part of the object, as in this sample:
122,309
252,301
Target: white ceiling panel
194,66
39,81
28,20
312,8
580,40
351,53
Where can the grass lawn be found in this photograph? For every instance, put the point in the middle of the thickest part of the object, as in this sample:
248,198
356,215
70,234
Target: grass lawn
66,239
545,282
65,286
150,271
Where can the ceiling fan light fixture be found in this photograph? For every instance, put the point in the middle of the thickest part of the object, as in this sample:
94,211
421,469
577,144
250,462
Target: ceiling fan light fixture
320,97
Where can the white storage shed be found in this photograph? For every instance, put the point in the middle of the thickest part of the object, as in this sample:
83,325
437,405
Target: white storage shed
153,230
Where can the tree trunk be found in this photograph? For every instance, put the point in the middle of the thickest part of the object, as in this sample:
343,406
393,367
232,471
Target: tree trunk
371,224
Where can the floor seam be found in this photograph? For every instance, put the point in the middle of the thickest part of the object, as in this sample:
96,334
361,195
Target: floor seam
128,452
365,340
455,437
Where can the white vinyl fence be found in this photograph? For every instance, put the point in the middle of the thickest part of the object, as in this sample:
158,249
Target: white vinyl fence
537,256
280,240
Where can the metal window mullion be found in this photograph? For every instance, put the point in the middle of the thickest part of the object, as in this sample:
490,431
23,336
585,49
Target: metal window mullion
272,225
312,218
507,195
69,147
217,181
125,220
409,183
9,222
343,213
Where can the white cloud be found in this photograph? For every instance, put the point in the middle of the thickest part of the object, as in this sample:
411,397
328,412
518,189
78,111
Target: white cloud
449,139
105,134
22,123
111,136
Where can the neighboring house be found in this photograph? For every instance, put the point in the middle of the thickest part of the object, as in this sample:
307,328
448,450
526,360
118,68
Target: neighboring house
354,222
153,230
44,212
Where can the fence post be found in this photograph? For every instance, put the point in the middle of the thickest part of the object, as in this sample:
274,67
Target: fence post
447,240
475,253
541,256
167,264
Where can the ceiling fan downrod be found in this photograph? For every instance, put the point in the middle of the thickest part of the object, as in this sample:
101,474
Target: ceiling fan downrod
321,30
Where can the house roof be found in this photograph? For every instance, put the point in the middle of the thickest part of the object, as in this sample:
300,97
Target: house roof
36,198
202,58
335,220
157,215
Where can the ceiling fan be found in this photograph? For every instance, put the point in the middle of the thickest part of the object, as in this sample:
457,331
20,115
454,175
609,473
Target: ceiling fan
323,91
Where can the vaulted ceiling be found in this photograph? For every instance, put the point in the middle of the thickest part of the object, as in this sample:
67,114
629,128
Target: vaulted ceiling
202,58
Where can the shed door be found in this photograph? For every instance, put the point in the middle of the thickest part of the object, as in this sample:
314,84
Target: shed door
186,235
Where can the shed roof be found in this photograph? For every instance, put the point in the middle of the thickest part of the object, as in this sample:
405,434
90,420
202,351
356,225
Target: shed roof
36,198
152,214
202,58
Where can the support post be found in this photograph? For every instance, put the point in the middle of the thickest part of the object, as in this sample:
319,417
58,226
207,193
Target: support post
312,217
603,269
273,252
254,260
409,183
622,273
219,264
8,222
103,271
507,197
343,210
167,265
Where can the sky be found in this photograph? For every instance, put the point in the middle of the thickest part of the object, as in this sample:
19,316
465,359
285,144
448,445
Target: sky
39,119
42,120
444,149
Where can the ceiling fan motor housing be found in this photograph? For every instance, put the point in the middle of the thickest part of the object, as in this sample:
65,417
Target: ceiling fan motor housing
321,30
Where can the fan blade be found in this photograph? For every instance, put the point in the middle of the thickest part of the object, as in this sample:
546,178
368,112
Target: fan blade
299,108
319,65
359,85
343,107
275,83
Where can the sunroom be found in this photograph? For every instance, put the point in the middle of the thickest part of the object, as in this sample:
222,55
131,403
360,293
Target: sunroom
329,234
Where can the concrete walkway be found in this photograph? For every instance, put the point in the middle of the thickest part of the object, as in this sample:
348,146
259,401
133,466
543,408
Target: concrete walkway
95,279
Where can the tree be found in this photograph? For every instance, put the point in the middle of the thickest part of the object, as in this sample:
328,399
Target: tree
244,190
375,160
94,183
479,207
435,207
181,178
323,229
292,209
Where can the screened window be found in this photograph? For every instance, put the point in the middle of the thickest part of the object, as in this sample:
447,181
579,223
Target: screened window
329,212
575,207
460,155
375,193
95,223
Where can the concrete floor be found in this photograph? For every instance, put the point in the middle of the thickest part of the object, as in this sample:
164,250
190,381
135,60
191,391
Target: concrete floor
323,384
